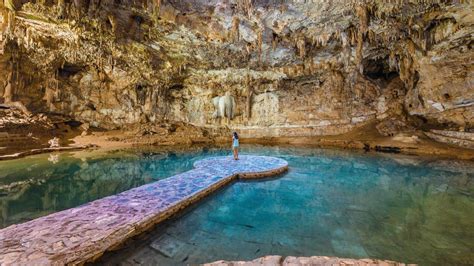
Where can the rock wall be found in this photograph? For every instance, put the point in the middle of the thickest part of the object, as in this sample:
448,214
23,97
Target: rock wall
301,68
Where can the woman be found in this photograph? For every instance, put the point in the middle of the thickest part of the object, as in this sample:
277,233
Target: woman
235,145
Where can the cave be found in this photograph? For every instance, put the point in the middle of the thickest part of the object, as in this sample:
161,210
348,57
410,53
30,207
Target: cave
229,132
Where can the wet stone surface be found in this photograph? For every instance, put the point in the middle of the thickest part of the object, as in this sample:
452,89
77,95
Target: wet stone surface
80,234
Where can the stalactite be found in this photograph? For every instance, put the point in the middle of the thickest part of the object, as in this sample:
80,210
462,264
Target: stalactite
49,96
11,22
359,51
301,45
344,39
407,66
371,37
352,36
28,38
363,15
4,16
275,40
235,33
157,8
248,84
259,42
393,64
246,6
11,5
7,91
9,94
56,79
61,9
248,49
113,23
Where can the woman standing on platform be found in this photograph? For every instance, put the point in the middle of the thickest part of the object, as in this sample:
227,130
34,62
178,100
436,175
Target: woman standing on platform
235,145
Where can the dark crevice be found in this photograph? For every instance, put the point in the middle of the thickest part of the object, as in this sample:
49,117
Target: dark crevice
73,123
69,70
378,69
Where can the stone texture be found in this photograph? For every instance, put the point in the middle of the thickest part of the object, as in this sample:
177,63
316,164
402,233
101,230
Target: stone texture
84,233
455,134
294,68
453,139
305,261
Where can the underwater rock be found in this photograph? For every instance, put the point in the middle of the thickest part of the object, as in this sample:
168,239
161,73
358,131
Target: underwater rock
167,245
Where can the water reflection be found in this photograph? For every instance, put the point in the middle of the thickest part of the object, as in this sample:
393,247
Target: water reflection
53,158
331,203
39,185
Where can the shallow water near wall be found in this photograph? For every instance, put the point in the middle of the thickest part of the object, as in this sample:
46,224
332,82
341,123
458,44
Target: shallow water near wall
330,203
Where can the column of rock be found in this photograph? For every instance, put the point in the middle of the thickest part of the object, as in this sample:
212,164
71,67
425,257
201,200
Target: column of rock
8,96
363,15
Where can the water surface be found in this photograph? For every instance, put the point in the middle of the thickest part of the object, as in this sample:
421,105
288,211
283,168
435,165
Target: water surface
39,185
330,203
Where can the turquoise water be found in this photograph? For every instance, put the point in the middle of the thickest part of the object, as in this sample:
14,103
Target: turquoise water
39,185
330,203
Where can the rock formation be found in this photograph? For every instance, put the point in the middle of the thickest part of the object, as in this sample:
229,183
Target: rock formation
294,68
224,105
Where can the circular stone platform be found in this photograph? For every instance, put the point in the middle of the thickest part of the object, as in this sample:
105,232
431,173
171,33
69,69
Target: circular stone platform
247,167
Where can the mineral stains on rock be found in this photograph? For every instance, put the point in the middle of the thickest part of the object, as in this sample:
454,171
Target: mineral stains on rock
288,68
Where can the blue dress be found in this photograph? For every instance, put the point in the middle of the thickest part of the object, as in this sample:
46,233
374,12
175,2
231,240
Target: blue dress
235,143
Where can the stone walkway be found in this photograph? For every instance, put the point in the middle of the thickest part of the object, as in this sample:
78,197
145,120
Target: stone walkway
310,261
84,233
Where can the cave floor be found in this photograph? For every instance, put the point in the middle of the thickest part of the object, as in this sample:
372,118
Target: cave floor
362,138
365,137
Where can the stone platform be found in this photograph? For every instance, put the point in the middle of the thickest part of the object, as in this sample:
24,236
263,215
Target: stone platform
84,233
313,261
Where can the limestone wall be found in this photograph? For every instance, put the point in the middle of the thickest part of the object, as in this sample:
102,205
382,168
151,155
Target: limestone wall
292,68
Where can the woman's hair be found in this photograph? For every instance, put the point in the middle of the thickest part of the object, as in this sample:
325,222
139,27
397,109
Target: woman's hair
236,136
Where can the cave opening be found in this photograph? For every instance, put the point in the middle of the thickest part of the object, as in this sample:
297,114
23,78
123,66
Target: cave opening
141,91
138,19
379,69
69,70
73,123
